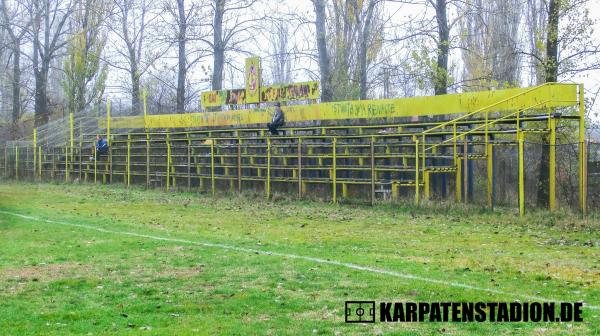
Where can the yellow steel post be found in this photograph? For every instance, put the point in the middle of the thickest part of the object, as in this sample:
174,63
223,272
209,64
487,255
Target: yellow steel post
373,170
521,174
465,169
417,171
168,162
80,154
66,164
299,168
454,143
198,170
72,134
34,152
40,163
147,160
95,163
423,164
268,186
582,155
457,166
552,166
486,133
145,100
109,164
108,121
426,191
189,162
490,175
87,170
458,182
334,170
128,160
108,167
585,179
395,190
53,156
212,165
16,162
239,164
258,169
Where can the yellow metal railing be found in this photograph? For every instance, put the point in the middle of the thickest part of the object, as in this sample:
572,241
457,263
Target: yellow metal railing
488,147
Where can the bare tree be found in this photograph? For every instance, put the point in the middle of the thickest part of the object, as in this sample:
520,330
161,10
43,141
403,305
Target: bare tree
343,30
186,26
5,86
561,45
348,39
324,65
136,19
15,22
551,63
440,82
490,53
232,27
181,56
535,25
364,16
282,62
48,34
84,73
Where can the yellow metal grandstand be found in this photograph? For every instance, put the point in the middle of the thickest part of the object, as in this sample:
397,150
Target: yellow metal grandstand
361,149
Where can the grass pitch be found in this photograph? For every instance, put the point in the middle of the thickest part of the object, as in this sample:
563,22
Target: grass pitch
57,279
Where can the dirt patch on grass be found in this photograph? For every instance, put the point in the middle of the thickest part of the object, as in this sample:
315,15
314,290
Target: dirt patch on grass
43,272
181,272
151,273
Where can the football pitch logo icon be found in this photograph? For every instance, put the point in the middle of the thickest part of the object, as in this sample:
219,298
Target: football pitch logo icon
360,312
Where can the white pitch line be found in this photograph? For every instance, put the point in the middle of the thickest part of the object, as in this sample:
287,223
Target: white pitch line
294,256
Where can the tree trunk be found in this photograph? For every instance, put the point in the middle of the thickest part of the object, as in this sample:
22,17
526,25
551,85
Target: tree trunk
366,31
16,90
41,97
441,71
40,91
552,42
324,68
135,92
181,74
218,47
551,72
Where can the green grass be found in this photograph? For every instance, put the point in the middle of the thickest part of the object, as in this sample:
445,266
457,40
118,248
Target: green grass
56,279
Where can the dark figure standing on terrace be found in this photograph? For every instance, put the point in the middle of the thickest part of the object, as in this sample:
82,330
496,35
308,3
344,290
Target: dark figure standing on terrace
277,121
